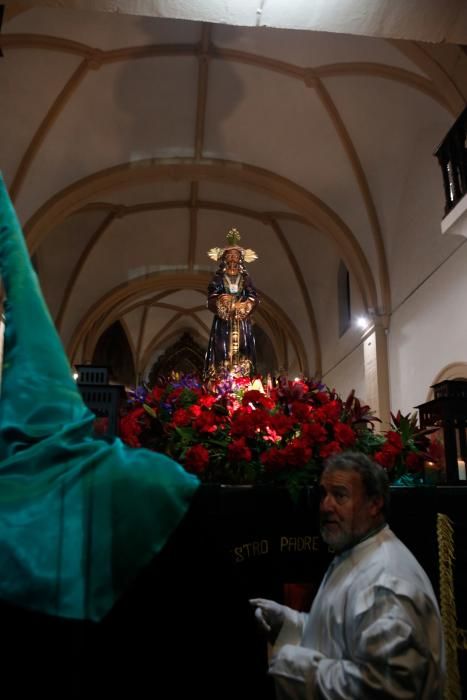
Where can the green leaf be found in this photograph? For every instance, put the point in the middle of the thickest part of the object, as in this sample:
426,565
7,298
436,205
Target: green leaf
149,410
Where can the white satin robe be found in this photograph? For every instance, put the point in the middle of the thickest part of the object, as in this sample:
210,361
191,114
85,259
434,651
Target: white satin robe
373,631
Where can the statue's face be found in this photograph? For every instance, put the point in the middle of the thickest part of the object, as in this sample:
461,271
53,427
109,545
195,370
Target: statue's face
232,261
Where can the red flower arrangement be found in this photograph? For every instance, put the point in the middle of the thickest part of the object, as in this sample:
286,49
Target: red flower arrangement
236,432
406,448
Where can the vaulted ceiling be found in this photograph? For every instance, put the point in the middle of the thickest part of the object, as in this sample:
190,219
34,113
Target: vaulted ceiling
131,144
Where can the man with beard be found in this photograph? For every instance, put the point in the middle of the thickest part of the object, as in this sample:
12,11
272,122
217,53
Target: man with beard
374,628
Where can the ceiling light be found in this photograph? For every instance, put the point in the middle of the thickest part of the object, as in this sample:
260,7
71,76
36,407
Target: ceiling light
362,322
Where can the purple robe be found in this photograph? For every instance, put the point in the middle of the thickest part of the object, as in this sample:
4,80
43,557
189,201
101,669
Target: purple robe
219,356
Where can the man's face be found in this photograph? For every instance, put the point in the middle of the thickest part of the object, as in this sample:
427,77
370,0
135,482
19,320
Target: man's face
346,512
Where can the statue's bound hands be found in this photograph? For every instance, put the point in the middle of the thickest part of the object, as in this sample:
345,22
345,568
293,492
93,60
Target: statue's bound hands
225,306
270,616
243,309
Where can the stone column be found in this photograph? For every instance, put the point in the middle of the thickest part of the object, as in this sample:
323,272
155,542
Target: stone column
375,355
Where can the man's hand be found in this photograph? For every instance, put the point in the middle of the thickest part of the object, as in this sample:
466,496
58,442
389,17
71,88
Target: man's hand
270,616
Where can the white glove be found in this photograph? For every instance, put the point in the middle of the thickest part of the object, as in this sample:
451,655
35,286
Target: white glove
270,616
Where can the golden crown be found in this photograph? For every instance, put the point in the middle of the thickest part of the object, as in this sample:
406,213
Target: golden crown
233,237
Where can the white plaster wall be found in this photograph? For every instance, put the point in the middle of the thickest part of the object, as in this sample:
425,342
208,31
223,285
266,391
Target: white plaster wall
348,374
429,331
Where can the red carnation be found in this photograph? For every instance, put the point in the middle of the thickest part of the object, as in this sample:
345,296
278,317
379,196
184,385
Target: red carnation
194,410
386,457
281,424
207,400
314,432
206,422
274,459
239,451
395,440
331,448
300,410
344,434
257,398
181,417
157,393
321,396
329,413
196,459
298,453
130,427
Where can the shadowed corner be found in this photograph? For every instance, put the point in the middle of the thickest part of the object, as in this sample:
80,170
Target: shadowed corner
2,10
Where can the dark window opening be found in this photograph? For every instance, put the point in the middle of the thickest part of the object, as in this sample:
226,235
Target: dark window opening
343,298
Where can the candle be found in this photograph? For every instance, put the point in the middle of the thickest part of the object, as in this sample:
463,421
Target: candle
461,469
431,473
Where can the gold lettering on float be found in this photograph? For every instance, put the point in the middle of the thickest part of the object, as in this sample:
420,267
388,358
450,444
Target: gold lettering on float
250,550
301,543
287,545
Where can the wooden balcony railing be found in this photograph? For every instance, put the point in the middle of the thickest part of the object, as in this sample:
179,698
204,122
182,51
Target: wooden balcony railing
452,157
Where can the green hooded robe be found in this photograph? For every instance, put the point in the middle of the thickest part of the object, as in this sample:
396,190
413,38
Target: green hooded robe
79,515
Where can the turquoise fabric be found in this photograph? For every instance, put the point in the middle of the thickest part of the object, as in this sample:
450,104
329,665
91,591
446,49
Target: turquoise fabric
79,516
411,480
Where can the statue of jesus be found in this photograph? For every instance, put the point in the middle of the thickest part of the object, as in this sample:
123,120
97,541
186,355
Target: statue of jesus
232,298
